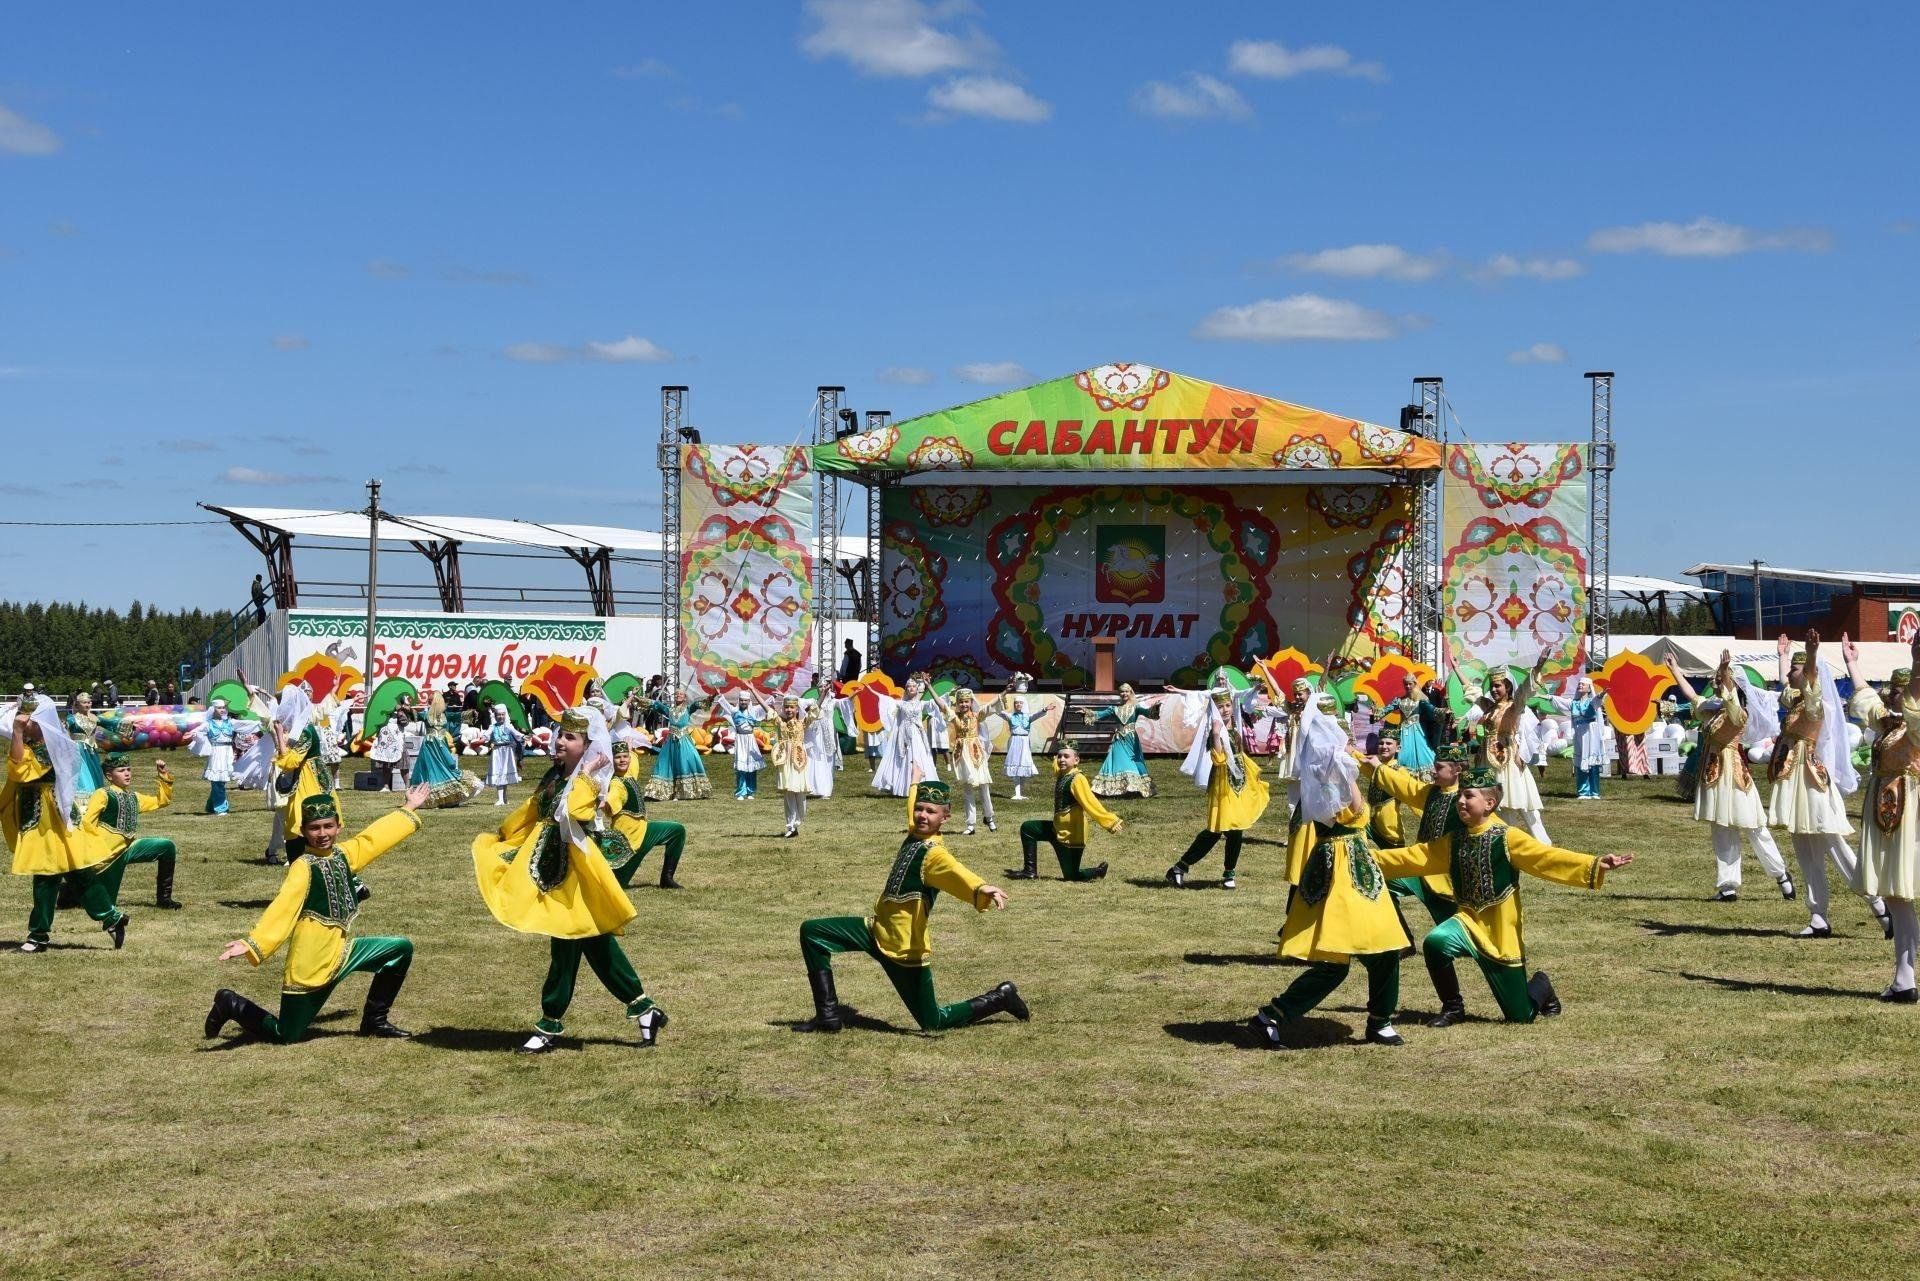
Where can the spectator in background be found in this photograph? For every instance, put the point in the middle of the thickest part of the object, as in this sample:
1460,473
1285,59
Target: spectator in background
152,692
171,694
259,599
470,703
849,663
109,695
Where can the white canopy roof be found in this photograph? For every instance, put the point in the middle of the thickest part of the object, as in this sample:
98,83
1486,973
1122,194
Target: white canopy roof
1647,586
1837,577
1698,656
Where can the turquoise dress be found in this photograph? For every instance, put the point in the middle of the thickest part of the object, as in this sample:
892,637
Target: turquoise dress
678,774
90,776
439,768
1124,771
1416,753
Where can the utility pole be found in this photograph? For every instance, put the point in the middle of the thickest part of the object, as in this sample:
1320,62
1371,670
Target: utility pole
1759,615
373,574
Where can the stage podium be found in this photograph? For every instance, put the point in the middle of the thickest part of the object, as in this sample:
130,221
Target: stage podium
1103,665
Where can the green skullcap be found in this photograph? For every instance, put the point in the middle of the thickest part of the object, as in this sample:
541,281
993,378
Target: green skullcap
1451,754
1480,778
315,808
114,760
933,792
1901,675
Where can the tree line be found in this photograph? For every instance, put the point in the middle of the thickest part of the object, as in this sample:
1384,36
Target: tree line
64,647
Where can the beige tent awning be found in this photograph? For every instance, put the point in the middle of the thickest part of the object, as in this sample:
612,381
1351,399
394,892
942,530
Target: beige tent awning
1698,656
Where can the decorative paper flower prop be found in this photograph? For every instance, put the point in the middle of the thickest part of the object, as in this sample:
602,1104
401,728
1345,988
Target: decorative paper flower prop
1634,686
1386,680
863,694
385,698
1287,666
558,682
324,676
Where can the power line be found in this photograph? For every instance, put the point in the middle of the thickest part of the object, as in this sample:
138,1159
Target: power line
103,524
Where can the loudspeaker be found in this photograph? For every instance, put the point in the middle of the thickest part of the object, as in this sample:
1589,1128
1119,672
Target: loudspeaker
367,782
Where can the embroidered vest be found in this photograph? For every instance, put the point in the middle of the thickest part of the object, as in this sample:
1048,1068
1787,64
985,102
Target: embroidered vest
30,799
903,879
1316,881
1439,815
1481,874
122,811
1063,802
330,897
1896,760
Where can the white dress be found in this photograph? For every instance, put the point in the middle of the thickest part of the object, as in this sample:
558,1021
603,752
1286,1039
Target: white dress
1890,849
747,756
907,757
504,769
1019,763
1726,793
823,750
1806,801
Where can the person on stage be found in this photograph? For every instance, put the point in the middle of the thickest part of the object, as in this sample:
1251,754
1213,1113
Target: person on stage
1585,709
1074,802
1483,860
215,740
1415,748
1124,771
544,872
438,766
1889,864
906,758
504,744
972,763
36,809
110,826
747,756
1236,797
896,934
1507,745
1019,766
1725,797
792,771
1812,775
1340,909
312,916
1437,814
83,727
627,799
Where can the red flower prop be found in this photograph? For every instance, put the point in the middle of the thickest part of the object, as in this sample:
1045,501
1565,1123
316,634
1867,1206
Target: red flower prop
324,676
1634,686
1386,680
864,695
558,682
1287,666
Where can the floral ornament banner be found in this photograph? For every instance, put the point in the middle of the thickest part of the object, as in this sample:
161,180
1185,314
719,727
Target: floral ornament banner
746,566
1514,574
977,582
1128,418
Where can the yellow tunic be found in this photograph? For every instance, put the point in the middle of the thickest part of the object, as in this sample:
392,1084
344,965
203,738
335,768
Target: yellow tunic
1231,809
98,843
899,920
1340,907
621,793
1070,824
1423,799
316,948
43,842
1486,887
304,758
582,901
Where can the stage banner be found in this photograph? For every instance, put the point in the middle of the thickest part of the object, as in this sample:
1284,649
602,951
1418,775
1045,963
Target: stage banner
1514,573
1125,418
746,566
432,649
979,581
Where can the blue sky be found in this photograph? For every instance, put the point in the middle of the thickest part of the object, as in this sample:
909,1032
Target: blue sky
256,256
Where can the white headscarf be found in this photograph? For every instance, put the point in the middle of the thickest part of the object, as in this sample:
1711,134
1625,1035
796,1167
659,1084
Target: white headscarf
1832,746
599,743
1763,716
62,751
1324,765
294,710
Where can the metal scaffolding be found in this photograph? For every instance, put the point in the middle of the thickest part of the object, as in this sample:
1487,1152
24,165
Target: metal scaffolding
877,420
826,529
1423,589
1600,521
673,408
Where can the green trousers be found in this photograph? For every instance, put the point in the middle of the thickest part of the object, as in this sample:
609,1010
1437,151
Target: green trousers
661,834
1320,979
95,896
376,956
610,965
825,936
1038,831
148,849
1439,906
1450,941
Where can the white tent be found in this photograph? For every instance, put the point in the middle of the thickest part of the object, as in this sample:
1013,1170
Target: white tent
1698,656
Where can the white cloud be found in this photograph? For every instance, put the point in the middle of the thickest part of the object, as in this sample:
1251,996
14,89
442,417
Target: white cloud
1369,262
20,136
381,269
1271,60
905,376
988,97
1299,318
1706,238
290,342
1201,98
1507,266
1541,353
621,351
895,37
254,476
994,373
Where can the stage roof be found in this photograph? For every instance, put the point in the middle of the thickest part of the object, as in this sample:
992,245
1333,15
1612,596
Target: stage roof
1128,418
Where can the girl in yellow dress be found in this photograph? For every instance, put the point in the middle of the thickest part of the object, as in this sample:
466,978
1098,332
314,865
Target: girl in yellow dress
37,816
1236,797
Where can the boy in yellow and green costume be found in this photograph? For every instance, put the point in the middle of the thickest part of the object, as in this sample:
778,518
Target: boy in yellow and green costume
627,799
1434,802
36,816
312,917
1074,802
896,934
1483,860
110,827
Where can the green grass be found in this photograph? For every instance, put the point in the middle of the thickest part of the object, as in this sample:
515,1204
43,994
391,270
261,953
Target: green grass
1719,1100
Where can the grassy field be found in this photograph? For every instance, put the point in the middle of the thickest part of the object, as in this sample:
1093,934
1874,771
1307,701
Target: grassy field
1719,1100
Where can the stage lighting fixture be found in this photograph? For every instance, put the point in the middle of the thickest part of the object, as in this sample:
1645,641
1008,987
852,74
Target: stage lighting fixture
690,434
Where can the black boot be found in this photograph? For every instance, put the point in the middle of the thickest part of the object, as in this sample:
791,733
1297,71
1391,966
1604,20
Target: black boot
826,1002
380,994
1004,999
1029,864
1446,986
1540,988
230,1006
667,865
163,885
118,931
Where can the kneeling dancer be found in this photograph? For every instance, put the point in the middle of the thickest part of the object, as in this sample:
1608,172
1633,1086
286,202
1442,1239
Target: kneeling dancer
1073,804
896,934
544,872
1483,859
627,799
111,823
313,915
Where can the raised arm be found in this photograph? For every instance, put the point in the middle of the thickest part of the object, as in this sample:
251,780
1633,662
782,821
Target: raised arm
1809,675
1783,648
1684,685
1850,654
